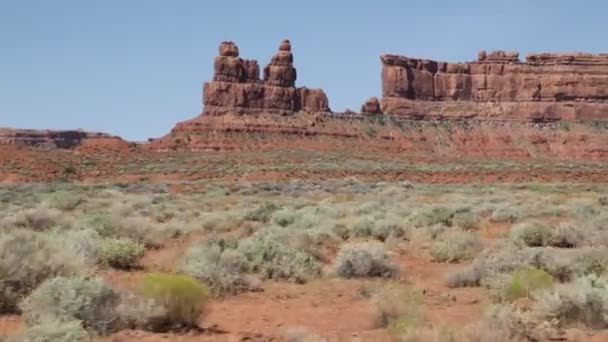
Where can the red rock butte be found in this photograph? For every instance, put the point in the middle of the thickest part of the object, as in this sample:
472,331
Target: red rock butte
547,87
237,87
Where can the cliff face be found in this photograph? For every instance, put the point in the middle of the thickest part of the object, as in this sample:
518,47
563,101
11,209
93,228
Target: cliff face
547,87
237,87
67,139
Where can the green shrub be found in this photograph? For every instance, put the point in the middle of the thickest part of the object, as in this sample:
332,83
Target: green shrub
584,300
567,236
268,253
533,234
396,302
506,214
121,253
364,260
37,219
284,217
466,221
71,331
65,200
63,300
217,265
262,213
183,297
455,246
27,259
526,280
432,216
466,277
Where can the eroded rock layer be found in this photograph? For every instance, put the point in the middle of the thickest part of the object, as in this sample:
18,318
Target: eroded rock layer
67,139
237,87
547,87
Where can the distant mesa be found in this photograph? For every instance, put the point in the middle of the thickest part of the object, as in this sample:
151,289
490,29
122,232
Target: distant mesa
547,87
237,88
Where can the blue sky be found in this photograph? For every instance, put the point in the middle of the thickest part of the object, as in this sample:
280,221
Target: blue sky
136,67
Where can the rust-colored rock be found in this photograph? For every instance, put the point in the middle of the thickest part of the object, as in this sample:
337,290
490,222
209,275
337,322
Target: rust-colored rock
67,139
547,87
371,106
237,88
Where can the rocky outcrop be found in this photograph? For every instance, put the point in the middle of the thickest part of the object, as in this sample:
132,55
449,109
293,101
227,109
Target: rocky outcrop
59,139
547,87
237,87
371,106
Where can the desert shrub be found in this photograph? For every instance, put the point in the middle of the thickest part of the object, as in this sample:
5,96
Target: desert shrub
121,253
63,300
364,260
526,280
71,331
136,312
466,221
362,227
216,264
37,219
388,227
183,297
583,300
268,253
567,236
434,215
455,246
65,200
261,213
506,214
102,223
396,302
284,217
532,234
26,260
505,323
466,277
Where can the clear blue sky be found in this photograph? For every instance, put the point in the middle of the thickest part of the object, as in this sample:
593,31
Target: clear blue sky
135,67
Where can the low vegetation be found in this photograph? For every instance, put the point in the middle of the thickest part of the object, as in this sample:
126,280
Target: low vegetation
80,262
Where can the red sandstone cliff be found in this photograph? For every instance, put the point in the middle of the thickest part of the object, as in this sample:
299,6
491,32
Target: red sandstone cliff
547,87
67,139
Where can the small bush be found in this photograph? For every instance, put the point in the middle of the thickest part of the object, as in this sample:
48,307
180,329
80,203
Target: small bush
455,246
218,266
267,253
467,277
63,300
26,260
364,260
505,323
121,253
183,297
395,302
284,217
533,234
37,219
584,300
567,236
262,213
466,221
65,200
432,216
526,280
301,334
71,331
506,214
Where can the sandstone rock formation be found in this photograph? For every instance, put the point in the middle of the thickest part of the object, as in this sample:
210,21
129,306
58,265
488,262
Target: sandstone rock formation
371,106
58,139
547,87
237,87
